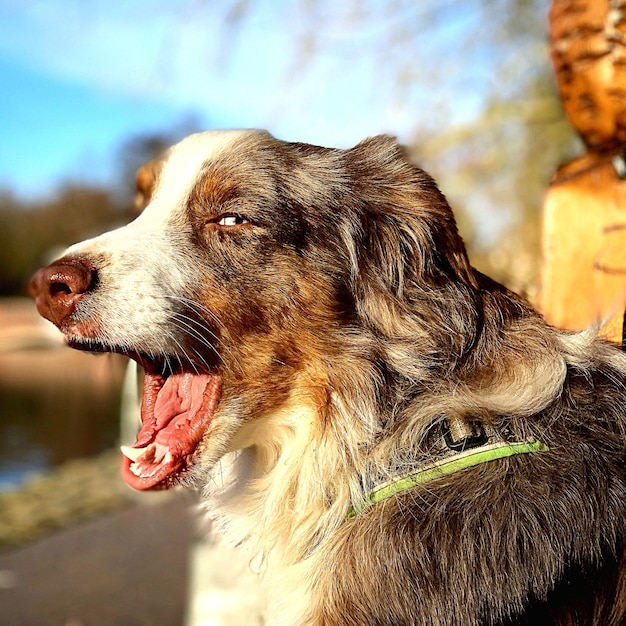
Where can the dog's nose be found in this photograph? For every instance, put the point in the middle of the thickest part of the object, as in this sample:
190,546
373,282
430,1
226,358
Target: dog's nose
58,288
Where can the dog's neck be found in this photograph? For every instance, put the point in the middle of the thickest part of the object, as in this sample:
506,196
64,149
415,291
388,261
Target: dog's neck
269,473
295,481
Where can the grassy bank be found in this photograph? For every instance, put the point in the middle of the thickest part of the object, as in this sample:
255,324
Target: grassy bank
73,492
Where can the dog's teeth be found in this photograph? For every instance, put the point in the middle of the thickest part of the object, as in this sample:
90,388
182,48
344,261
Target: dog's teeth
132,453
134,468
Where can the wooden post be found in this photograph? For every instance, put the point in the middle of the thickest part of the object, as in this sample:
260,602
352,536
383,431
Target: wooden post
584,238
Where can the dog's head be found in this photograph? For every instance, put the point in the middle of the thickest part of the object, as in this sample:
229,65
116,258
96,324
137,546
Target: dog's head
256,266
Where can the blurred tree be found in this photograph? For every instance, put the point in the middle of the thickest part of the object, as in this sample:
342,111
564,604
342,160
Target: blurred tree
10,253
503,161
31,234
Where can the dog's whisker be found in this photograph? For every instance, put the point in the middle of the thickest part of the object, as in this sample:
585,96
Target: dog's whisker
197,307
197,334
194,334
198,330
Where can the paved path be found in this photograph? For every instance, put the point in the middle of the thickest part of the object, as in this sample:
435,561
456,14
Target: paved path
128,568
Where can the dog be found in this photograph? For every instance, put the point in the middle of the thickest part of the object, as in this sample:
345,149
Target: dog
393,437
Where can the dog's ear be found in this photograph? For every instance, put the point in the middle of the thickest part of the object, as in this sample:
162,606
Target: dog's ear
147,178
407,234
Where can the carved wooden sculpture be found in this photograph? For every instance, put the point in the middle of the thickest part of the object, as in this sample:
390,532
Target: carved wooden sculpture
584,268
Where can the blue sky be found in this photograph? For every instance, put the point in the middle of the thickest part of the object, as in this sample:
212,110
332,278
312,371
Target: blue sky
78,77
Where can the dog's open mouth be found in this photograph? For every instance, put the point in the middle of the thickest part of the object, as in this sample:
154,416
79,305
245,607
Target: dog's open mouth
177,408
175,413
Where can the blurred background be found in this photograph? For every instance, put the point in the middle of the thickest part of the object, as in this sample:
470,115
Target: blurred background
90,89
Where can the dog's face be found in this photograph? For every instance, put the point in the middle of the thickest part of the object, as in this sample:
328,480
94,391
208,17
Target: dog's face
244,280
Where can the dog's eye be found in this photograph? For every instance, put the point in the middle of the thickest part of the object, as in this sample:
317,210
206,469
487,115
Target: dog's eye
231,219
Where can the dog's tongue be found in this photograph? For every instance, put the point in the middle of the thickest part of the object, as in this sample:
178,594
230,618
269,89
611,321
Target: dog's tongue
175,415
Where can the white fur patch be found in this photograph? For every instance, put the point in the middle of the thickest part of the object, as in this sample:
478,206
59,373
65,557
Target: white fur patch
182,170
147,264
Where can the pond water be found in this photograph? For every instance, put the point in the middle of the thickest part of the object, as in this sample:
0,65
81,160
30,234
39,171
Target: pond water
39,430
56,404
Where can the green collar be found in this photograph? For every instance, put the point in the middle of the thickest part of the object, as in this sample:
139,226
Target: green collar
450,465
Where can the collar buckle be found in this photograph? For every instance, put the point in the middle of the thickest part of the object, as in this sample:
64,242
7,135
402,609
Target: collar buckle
460,435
